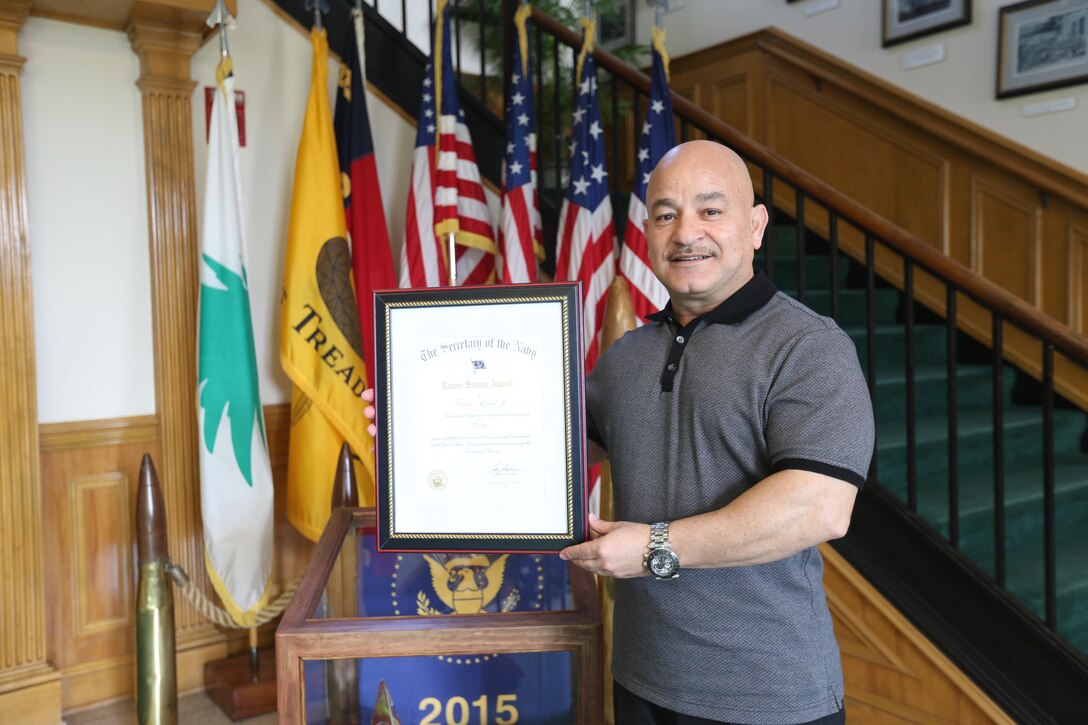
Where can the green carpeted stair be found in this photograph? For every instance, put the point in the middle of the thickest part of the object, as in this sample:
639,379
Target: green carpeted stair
1022,430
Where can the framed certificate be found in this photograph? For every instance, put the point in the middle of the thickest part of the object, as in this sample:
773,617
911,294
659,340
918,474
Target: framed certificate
480,443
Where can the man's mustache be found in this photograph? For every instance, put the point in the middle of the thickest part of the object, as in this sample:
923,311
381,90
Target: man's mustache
690,251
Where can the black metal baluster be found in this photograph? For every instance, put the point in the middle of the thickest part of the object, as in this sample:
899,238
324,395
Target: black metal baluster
615,176
538,83
953,420
833,254
403,16
683,129
483,52
557,128
457,32
1050,532
870,334
799,229
768,201
912,453
999,450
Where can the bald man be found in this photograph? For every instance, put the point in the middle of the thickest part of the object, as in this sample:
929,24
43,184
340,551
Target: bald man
739,429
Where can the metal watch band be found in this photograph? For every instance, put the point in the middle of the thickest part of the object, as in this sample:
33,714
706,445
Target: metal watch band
659,535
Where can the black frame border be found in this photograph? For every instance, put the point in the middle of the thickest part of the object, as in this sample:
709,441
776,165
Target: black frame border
570,295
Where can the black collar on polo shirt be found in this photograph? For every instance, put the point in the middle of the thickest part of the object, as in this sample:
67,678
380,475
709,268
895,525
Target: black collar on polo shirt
755,293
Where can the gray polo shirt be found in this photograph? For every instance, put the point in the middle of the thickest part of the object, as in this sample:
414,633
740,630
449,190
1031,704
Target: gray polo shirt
691,418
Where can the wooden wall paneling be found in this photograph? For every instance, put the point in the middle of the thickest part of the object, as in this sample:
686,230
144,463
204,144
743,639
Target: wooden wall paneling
1005,238
101,551
1077,266
728,100
29,686
88,474
88,469
893,673
898,179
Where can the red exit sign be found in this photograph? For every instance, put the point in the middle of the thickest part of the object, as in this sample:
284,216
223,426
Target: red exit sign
239,107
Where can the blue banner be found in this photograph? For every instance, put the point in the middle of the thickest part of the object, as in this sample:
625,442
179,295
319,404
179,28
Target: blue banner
479,689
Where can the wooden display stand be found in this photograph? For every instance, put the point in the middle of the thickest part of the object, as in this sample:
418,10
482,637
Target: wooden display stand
238,690
303,636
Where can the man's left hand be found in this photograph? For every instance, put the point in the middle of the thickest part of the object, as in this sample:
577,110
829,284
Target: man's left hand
617,551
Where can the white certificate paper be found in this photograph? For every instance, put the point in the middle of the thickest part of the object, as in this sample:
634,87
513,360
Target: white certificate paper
480,408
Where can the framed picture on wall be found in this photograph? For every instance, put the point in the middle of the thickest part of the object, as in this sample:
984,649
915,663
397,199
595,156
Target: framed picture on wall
616,23
1041,44
909,19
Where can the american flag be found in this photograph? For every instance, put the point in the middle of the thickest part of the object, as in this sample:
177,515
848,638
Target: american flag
446,195
459,202
648,295
422,262
585,219
520,233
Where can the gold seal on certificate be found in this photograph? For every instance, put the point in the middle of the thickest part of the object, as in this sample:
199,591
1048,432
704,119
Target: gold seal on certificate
482,386
437,480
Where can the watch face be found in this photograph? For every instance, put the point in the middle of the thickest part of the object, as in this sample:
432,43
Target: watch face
664,563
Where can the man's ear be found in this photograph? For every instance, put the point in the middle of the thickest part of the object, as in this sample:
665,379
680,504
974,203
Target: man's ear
759,219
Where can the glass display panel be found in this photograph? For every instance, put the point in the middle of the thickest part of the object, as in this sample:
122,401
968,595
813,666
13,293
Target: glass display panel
365,582
531,687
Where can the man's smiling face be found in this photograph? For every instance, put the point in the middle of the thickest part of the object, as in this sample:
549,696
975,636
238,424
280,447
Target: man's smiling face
702,227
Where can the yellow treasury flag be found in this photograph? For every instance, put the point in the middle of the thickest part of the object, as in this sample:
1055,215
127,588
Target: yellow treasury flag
321,345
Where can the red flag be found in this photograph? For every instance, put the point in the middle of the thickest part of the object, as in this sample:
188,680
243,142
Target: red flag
371,256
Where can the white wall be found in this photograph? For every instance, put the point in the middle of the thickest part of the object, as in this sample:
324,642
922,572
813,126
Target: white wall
964,83
88,222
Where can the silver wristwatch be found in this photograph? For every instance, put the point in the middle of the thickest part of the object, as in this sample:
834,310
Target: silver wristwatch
661,560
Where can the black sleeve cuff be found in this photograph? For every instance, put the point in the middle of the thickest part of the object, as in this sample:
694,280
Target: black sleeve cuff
804,464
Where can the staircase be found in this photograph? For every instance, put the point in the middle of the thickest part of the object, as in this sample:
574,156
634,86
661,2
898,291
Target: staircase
1021,433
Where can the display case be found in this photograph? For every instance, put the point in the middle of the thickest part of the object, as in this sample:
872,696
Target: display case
457,638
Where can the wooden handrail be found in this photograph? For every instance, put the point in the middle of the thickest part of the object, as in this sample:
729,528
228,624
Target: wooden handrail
982,290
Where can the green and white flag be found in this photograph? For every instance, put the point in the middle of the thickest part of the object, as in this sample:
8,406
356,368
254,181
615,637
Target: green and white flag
235,474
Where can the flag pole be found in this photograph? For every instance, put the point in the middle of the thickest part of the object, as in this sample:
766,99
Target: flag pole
319,8
452,262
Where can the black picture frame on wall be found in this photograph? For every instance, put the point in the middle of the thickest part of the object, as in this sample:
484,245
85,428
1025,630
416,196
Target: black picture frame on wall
616,23
905,20
1041,44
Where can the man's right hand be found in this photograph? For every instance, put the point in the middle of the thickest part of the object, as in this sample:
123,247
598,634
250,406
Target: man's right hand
370,412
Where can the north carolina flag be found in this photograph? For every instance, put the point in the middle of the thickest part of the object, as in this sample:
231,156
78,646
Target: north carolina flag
585,219
648,295
235,475
321,347
520,232
371,257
